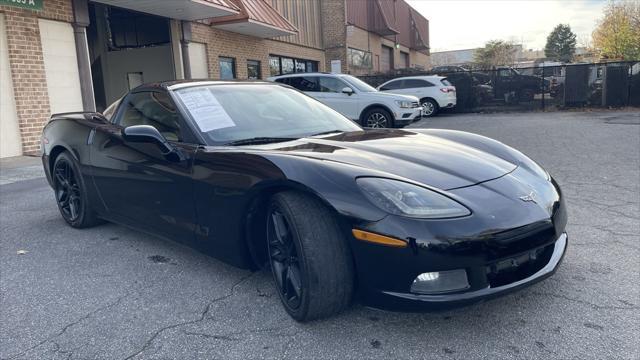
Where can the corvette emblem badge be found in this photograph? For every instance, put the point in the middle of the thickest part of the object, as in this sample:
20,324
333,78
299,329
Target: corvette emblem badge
529,198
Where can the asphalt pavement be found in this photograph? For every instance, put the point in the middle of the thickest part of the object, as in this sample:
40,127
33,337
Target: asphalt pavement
113,293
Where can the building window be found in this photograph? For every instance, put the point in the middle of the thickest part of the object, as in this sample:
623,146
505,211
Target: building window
227,68
404,59
312,66
128,29
301,66
359,58
253,70
274,65
287,65
280,65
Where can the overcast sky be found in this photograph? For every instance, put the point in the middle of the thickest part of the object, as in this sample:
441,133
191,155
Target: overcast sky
464,24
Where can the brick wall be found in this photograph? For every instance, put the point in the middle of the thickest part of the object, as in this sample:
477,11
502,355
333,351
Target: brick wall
334,31
242,48
27,67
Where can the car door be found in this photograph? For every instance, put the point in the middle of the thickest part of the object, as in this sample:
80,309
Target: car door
330,93
137,183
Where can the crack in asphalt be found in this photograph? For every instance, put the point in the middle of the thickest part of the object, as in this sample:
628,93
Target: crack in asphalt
232,335
605,207
584,302
64,329
69,325
586,184
202,317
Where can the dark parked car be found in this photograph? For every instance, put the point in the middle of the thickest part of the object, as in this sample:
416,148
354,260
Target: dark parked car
511,85
259,174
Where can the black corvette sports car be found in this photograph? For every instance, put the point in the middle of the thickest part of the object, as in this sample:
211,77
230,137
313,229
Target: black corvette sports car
258,174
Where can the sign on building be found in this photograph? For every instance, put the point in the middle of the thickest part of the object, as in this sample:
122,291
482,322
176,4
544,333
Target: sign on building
336,66
25,4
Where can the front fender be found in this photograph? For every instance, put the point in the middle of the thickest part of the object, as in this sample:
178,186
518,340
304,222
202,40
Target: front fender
334,183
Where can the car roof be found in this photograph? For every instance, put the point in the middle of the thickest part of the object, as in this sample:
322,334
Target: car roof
307,74
179,84
420,77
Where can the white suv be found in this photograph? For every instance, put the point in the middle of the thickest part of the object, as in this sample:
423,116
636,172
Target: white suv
435,92
356,99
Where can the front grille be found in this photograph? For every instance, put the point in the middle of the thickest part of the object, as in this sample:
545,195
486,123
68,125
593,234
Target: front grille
518,267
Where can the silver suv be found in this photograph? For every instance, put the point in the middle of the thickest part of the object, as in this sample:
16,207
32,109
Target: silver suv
356,99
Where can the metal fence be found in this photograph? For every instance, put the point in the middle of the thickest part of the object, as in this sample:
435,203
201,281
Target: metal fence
613,84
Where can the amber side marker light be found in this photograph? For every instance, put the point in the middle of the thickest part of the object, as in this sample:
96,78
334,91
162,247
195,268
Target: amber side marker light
378,239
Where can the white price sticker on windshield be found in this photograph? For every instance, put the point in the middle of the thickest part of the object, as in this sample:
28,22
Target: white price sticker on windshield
205,109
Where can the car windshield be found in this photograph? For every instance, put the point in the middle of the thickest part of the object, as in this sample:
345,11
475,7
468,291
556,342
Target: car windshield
236,112
358,84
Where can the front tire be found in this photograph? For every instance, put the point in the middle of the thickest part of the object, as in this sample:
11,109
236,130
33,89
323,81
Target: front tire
309,256
377,118
71,193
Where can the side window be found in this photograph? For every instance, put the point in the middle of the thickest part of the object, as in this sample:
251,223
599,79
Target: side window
305,83
416,83
331,84
393,85
155,109
504,72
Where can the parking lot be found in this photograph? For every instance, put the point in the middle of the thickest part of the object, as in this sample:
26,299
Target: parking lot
110,292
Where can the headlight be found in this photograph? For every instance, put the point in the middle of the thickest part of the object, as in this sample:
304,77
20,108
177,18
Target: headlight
404,199
405,104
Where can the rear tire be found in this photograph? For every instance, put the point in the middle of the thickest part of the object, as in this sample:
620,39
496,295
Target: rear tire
309,255
376,118
71,193
430,106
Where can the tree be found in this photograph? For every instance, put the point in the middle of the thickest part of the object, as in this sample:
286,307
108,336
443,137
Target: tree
495,53
617,35
561,44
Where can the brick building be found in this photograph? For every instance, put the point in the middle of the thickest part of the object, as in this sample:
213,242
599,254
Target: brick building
74,55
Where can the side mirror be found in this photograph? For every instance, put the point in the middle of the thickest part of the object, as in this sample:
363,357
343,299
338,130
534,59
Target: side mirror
347,90
147,134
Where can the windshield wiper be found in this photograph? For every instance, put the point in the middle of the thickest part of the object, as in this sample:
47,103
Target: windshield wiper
259,140
327,132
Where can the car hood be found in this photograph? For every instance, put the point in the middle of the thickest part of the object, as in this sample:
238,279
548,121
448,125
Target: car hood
426,159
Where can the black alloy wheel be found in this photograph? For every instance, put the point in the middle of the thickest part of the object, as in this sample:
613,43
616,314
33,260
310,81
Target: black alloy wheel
67,190
70,193
309,256
284,260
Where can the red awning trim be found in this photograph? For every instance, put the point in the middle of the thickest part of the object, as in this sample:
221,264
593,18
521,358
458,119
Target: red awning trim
256,11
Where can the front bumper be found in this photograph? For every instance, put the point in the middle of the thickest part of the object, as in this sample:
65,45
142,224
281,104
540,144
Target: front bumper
417,302
407,116
502,229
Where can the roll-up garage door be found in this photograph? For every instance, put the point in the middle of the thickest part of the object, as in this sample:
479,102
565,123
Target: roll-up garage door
386,59
10,144
61,66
